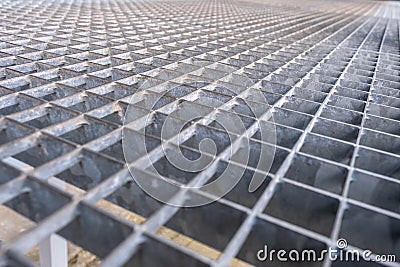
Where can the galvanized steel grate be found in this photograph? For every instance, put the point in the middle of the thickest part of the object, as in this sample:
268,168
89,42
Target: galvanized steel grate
329,71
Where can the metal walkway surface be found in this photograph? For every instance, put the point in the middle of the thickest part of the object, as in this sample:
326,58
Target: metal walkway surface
328,73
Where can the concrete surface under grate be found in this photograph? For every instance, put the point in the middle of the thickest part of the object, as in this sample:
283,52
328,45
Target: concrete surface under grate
329,70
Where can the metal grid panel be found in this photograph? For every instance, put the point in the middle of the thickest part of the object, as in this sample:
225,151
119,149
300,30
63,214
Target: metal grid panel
329,70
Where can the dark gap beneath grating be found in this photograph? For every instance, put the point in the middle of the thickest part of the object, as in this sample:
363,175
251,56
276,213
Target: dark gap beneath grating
292,119
327,148
206,223
95,231
375,191
388,164
131,197
53,115
347,103
154,253
11,130
317,173
253,158
301,106
239,193
88,131
7,173
47,148
90,171
381,141
285,136
380,234
89,102
303,207
169,170
39,202
336,130
18,103
342,115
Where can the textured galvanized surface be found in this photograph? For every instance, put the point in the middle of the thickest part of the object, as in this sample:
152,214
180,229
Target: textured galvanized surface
329,69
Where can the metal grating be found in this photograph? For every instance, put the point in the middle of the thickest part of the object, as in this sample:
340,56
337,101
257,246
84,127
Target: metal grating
330,71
